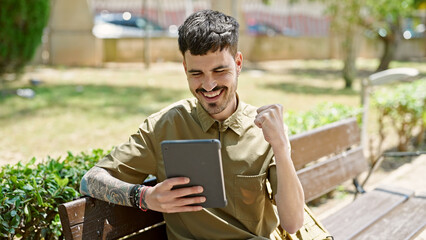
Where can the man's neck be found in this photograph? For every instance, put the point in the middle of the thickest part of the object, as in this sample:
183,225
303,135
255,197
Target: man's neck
225,114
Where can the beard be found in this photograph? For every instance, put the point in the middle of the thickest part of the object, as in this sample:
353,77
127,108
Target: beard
215,107
225,99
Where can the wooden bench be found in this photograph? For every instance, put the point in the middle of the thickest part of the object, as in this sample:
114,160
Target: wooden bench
324,158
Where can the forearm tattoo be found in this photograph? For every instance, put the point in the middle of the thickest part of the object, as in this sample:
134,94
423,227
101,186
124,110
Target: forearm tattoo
98,183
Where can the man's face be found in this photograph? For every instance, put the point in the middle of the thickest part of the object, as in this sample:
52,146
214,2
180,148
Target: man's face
212,79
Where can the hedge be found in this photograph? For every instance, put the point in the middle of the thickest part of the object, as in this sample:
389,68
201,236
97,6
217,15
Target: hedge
31,193
404,106
320,115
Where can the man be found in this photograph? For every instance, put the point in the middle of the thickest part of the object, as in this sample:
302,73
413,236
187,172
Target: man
255,148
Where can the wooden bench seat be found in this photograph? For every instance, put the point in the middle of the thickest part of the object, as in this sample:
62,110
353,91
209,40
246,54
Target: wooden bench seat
406,221
364,211
324,158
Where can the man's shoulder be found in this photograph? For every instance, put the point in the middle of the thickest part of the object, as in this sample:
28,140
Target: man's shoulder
182,108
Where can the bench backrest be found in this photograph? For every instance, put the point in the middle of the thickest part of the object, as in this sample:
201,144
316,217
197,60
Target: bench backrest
324,158
328,156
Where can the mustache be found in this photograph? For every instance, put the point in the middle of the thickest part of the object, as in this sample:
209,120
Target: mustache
214,89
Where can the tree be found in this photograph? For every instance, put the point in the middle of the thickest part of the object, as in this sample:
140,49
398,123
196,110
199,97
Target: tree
345,19
382,17
22,23
385,18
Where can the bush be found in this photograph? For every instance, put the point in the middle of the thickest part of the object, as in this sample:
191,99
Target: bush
405,107
30,196
320,115
22,23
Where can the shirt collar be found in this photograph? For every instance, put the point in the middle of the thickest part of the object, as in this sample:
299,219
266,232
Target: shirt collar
234,122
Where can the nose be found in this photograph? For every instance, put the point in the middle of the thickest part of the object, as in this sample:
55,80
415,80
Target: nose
209,83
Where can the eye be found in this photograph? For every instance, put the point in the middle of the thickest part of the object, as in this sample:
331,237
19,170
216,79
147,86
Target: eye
219,71
195,74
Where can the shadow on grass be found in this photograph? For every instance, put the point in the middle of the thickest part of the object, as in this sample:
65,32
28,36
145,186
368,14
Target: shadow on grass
103,100
322,73
326,73
307,89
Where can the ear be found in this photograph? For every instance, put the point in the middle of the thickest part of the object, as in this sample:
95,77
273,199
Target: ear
239,62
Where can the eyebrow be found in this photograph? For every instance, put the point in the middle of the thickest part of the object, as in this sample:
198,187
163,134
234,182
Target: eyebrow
214,69
219,67
194,71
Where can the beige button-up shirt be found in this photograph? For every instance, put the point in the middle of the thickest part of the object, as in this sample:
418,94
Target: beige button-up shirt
248,165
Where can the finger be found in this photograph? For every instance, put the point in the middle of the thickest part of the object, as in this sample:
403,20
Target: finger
258,121
182,192
185,201
171,182
263,108
262,117
188,204
273,107
183,204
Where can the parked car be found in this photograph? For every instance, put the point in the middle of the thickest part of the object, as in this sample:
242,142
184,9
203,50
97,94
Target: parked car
120,25
265,29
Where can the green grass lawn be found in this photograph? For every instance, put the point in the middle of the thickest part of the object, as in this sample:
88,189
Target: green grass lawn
76,109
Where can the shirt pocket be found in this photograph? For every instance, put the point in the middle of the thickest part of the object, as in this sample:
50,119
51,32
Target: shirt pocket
249,197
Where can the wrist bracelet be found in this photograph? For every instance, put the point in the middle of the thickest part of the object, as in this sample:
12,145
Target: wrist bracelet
142,204
134,195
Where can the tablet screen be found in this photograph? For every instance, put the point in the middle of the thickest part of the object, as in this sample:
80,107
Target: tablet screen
201,161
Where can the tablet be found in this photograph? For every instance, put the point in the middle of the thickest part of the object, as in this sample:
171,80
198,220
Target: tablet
201,161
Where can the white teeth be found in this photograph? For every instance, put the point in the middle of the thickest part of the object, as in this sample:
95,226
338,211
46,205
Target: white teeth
212,94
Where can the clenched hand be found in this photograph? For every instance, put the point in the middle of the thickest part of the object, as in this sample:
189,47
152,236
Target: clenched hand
270,119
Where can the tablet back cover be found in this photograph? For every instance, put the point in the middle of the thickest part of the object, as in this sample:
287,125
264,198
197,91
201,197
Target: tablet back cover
201,161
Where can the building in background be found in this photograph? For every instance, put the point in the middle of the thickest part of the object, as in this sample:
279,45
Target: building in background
92,32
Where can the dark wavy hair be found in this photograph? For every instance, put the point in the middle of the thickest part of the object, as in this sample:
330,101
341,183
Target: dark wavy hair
208,30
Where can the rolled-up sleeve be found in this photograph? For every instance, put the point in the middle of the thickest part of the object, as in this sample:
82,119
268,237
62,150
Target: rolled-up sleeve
272,169
272,178
134,160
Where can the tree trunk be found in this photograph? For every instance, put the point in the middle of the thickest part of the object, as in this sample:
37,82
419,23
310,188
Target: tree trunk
388,53
391,42
349,49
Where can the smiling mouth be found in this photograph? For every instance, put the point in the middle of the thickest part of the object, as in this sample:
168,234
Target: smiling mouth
211,94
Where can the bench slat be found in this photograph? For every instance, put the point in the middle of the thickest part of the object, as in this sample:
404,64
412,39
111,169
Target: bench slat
324,176
89,218
323,141
405,222
154,233
365,210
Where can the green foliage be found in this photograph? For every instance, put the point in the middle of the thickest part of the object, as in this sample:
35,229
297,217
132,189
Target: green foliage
345,16
384,19
30,194
320,115
405,106
22,23
344,13
381,18
382,12
370,14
